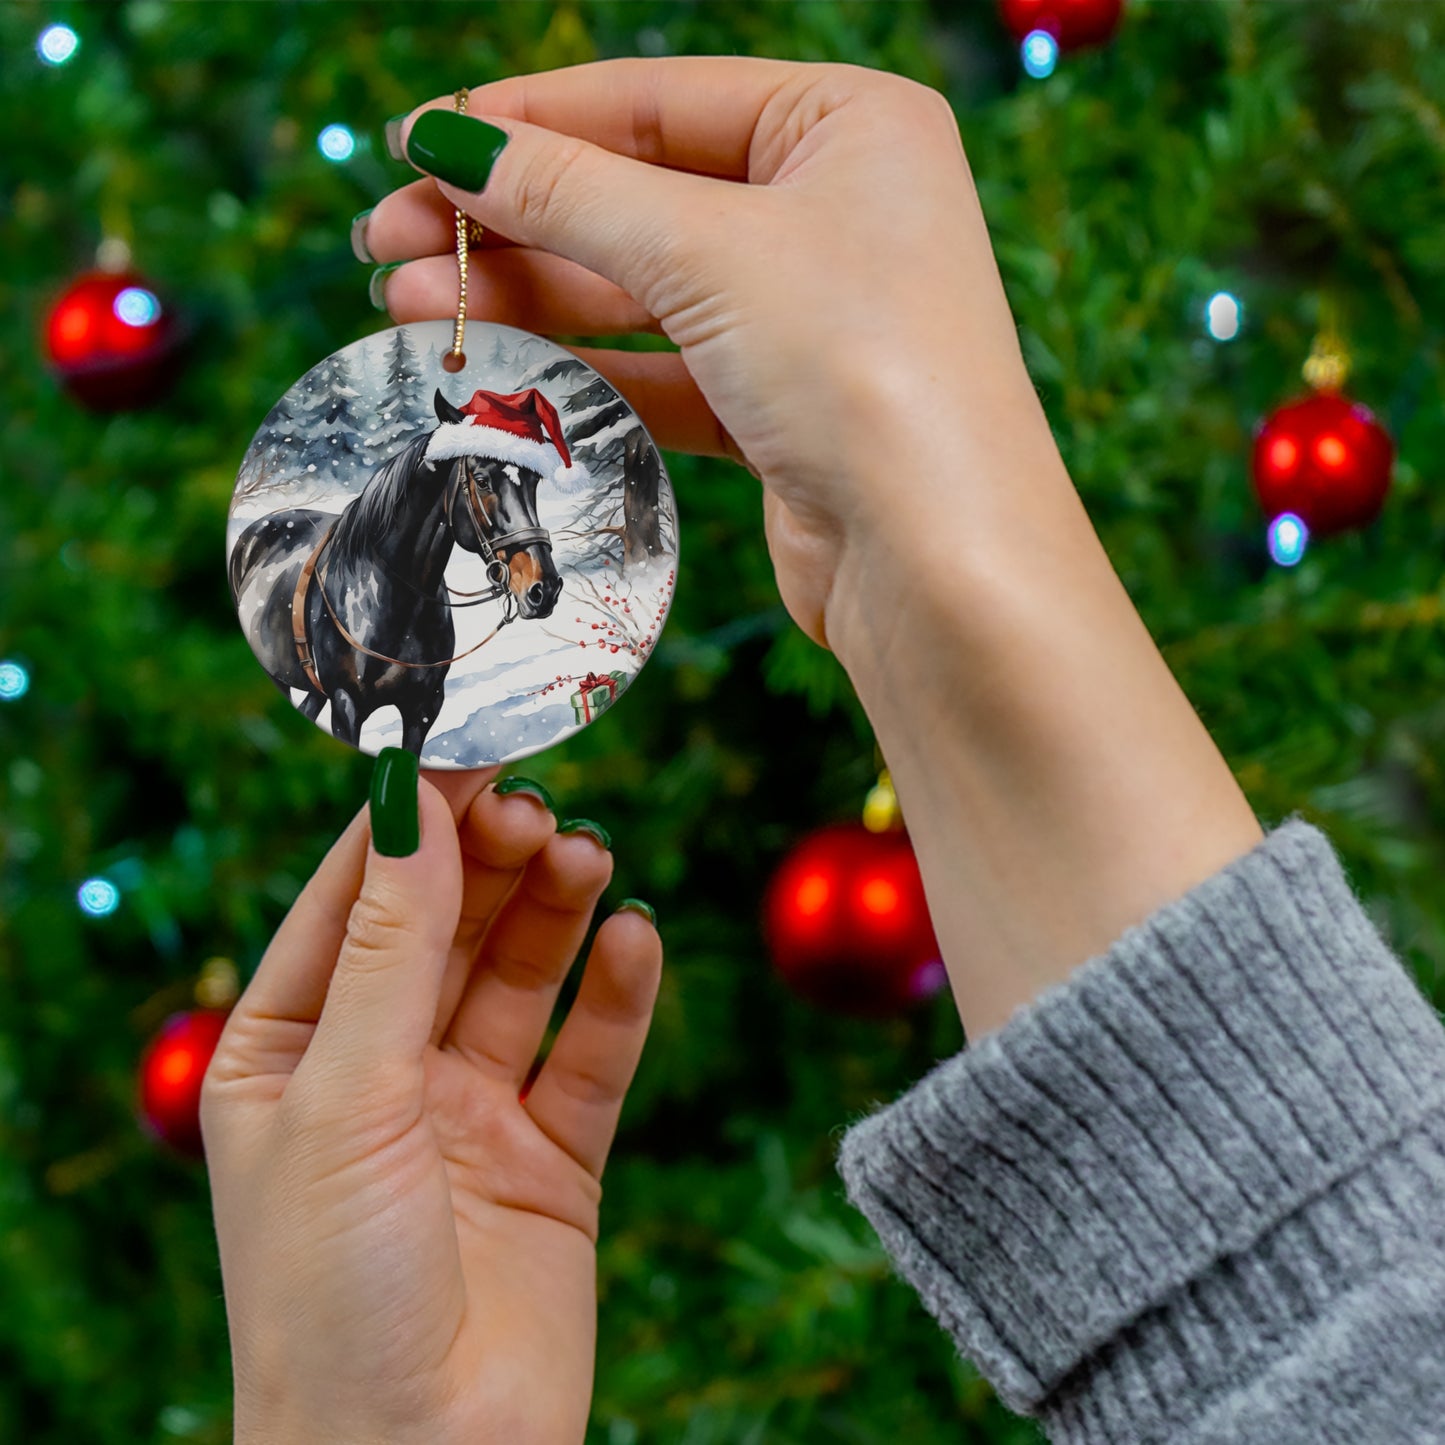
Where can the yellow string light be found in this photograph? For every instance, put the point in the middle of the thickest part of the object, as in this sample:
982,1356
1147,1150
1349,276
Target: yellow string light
219,985
1328,365
880,809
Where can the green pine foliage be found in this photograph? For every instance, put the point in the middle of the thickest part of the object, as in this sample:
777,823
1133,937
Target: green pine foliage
1291,154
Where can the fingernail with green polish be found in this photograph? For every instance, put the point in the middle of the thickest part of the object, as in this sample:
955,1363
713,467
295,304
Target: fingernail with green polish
636,905
395,821
359,248
586,825
376,288
455,148
393,136
528,786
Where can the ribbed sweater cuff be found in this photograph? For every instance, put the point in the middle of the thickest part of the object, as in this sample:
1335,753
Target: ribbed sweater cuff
1136,1169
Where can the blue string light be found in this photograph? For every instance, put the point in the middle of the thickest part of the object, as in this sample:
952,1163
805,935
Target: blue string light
1040,52
1288,538
137,307
98,897
336,143
14,681
57,44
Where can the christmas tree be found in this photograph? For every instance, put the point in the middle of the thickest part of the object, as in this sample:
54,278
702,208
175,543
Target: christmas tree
1285,157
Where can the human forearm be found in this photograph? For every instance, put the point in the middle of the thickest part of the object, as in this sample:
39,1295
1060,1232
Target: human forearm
1057,784
1192,1195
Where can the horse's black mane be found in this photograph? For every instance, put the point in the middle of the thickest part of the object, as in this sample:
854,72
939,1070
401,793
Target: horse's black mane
373,514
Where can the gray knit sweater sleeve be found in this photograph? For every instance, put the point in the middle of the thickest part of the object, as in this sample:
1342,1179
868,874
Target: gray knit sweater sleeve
1195,1193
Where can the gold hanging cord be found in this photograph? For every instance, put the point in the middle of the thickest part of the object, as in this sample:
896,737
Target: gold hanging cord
469,233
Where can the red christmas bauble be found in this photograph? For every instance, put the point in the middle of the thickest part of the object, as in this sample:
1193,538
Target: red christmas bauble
112,341
1073,23
847,923
171,1071
1324,458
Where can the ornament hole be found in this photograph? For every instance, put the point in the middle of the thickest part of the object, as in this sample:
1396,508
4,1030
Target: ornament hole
453,361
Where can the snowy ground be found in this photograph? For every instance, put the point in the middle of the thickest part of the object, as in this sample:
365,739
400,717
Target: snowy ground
495,710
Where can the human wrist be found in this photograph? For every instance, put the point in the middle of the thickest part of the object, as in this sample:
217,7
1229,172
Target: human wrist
303,1430
950,495
1057,784
268,1418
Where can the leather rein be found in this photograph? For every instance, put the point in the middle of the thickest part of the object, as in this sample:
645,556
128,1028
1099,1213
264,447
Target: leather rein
498,574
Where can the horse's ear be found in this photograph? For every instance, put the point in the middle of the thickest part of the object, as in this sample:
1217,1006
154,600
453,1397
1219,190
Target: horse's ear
446,412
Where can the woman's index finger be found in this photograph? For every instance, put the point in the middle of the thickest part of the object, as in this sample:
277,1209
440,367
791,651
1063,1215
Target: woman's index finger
694,113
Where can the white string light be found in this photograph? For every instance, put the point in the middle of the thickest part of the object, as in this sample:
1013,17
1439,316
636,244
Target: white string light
98,897
336,143
1223,316
1288,538
57,44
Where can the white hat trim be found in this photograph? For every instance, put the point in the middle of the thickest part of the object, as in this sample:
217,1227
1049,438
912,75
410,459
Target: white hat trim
466,439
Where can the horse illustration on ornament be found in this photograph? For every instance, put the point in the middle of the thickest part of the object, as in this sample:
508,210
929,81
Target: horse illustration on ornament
355,609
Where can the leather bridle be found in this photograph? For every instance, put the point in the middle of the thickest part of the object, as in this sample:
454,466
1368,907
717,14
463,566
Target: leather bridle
498,575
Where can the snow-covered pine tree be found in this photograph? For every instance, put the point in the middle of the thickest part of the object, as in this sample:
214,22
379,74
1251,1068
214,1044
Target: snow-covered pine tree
500,357
403,405
275,456
332,435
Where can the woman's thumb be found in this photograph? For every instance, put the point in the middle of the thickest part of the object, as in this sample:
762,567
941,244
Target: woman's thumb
623,219
382,999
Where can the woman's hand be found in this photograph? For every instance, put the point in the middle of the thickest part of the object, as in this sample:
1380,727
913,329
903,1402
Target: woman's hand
810,237
839,313
408,1247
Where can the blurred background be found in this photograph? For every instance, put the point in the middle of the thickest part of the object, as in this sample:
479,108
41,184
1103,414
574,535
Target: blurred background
1188,206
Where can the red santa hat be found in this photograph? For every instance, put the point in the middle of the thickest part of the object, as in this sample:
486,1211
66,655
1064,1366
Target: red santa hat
522,428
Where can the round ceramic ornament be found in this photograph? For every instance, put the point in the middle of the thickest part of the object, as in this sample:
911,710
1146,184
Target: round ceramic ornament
470,564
